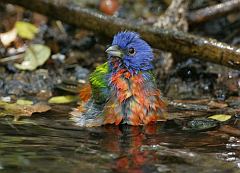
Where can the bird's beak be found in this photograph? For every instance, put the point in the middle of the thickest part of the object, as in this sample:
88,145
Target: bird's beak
115,50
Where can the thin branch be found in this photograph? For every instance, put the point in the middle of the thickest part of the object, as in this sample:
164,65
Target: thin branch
167,40
12,58
214,11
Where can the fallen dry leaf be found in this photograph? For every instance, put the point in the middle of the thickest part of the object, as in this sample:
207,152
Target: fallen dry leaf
36,55
63,99
8,37
221,117
18,110
26,30
24,102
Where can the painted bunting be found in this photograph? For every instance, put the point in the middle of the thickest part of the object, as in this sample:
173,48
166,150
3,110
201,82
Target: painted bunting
122,90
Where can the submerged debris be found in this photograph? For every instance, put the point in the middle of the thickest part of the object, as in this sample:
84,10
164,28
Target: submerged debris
201,124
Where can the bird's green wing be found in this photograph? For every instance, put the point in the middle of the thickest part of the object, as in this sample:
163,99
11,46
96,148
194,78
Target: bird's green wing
99,83
152,75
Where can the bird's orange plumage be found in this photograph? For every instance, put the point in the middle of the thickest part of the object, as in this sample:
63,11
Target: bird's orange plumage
139,106
85,92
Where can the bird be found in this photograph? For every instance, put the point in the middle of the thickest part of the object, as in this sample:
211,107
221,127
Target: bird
122,90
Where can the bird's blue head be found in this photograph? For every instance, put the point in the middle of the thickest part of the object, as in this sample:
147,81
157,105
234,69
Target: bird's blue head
129,51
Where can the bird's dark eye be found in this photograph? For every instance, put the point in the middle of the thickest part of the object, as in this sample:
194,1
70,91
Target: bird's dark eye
131,51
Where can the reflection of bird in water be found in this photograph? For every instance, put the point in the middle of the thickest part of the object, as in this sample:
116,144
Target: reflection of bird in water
122,90
127,142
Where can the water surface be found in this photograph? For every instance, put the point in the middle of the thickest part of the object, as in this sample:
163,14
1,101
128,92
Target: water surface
52,143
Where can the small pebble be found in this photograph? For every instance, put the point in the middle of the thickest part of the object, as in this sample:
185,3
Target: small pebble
109,7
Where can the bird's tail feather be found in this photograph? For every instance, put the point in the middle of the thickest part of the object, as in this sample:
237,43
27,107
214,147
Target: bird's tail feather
89,115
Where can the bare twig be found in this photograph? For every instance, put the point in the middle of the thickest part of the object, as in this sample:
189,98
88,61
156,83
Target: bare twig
12,58
214,11
168,40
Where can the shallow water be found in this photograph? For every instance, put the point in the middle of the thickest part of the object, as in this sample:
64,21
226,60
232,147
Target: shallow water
51,143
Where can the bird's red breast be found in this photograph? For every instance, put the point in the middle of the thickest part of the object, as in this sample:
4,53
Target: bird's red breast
133,102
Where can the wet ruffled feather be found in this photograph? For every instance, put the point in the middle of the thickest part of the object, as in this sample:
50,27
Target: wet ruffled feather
122,91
